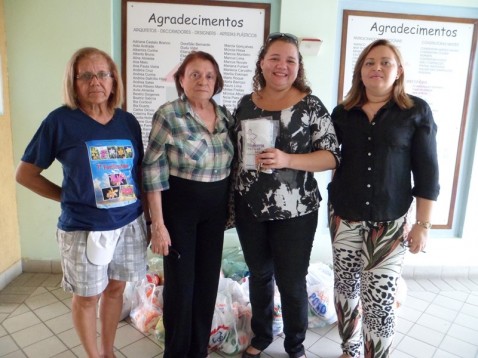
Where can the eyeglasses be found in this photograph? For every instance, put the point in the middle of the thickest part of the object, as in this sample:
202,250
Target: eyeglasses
88,76
275,35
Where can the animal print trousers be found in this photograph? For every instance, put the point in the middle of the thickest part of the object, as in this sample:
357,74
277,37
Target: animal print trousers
367,258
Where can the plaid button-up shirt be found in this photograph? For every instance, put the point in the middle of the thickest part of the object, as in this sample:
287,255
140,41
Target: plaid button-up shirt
181,145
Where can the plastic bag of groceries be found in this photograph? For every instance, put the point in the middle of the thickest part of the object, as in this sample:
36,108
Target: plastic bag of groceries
320,291
222,321
146,308
277,323
128,294
239,337
230,331
233,264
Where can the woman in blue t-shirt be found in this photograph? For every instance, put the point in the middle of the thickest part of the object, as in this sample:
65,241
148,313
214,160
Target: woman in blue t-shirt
101,230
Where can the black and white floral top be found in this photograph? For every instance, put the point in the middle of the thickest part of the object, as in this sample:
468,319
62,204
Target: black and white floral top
286,193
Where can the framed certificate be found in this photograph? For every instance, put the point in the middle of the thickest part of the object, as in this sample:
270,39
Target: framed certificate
157,35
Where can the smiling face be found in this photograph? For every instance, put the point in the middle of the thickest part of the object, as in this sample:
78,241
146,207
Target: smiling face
280,65
380,70
94,91
199,80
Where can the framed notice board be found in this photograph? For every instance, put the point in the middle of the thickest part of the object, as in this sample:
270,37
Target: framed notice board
438,55
157,35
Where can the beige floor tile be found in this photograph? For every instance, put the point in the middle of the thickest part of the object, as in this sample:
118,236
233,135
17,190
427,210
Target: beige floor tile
3,332
67,302
69,338
416,348
433,322
51,311
441,312
22,280
325,347
473,300
459,347
41,300
8,307
464,334
16,354
79,352
7,345
46,348
20,322
21,309
53,281
61,294
126,335
61,323
66,354
13,298
18,290
426,335
39,291
35,279
467,321
31,335
142,348
446,324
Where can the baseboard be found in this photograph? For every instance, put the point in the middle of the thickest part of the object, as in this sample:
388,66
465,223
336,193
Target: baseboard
10,274
41,266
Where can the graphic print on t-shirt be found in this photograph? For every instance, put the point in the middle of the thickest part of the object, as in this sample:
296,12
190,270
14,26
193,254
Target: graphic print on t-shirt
111,163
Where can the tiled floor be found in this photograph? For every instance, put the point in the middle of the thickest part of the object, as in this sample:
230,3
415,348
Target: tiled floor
438,319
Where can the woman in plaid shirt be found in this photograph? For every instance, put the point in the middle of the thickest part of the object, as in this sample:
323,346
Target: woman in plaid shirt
185,174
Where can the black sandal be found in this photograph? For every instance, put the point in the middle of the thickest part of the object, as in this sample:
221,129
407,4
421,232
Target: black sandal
250,355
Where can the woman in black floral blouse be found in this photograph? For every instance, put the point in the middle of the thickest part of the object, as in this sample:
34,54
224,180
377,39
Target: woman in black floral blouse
277,204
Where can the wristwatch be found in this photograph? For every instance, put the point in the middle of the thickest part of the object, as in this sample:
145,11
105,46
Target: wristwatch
426,224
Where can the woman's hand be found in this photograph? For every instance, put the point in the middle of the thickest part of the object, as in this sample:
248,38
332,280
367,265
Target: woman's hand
417,239
272,158
160,240
317,161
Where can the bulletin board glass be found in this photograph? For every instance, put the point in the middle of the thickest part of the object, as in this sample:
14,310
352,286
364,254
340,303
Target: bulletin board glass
438,57
157,35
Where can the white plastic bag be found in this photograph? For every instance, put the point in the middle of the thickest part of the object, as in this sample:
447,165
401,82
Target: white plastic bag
222,321
146,307
320,291
127,299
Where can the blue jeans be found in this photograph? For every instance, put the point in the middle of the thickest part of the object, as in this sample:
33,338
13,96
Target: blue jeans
280,250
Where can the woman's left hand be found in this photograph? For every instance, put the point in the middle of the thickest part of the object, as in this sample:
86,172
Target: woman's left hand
272,158
160,240
417,239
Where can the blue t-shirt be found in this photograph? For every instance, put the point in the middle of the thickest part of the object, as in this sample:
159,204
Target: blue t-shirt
101,167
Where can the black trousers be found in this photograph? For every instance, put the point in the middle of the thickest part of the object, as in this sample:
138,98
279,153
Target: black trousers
277,251
194,214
